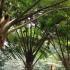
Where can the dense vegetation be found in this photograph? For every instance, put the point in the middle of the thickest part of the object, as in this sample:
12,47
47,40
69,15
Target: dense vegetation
32,28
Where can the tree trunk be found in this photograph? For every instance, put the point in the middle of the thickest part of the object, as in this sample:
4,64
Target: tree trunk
29,66
66,64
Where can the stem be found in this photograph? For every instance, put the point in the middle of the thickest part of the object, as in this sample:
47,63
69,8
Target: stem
29,66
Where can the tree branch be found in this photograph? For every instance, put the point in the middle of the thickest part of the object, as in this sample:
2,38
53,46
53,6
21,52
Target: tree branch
30,7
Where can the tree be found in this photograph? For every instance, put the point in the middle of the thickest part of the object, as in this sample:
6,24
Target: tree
60,40
4,28
30,40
